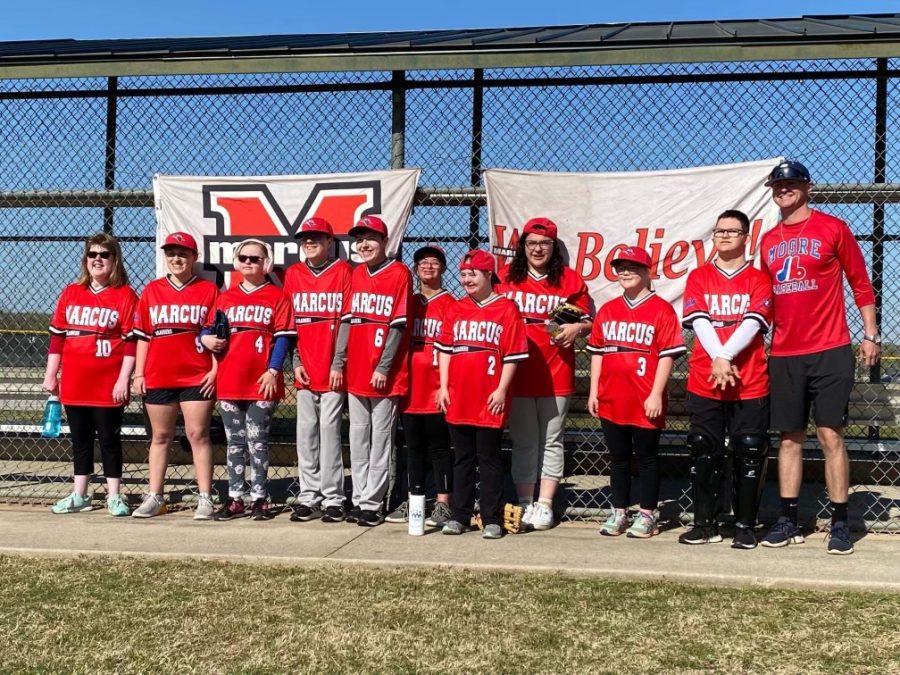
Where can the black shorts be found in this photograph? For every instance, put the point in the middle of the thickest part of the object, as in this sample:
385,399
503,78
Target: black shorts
715,418
821,381
173,395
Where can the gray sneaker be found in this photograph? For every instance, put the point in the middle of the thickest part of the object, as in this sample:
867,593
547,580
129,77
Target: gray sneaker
492,531
439,515
153,505
643,526
453,527
205,509
399,515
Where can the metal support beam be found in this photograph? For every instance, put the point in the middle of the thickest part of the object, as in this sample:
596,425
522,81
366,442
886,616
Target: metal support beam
398,119
878,213
109,164
475,175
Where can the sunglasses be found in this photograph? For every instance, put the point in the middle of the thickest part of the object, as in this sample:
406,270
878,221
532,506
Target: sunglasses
252,259
177,253
104,255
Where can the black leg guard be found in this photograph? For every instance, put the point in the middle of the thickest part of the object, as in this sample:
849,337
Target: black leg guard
751,458
706,477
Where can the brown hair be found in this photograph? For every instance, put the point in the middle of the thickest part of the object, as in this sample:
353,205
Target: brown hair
118,277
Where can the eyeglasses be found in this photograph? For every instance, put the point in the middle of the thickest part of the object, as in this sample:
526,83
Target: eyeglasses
103,255
628,269
177,253
545,243
726,234
429,263
252,259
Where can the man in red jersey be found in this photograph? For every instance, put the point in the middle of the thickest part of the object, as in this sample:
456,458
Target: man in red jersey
319,292
808,254
728,305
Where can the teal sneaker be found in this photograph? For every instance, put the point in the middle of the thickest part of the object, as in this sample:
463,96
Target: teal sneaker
642,527
615,524
117,506
72,504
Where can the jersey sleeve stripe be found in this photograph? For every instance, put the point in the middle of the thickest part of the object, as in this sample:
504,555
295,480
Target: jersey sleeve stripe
285,333
56,331
673,351
140,335
760,319
443,348
689,319
399,321
594,349
345,318
512,358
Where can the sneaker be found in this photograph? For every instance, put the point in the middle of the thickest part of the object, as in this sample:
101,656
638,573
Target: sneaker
260,509
701,534
527,514
399,515
233,508
205,508
304,513
72,504
839,539
333,514
440,515
353,515
368,518
153,505
117,507
615,525
541,516
783,532
642,527
453,527
743,538
492,531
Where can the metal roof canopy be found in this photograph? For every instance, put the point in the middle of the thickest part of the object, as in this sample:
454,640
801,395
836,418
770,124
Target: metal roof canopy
808,37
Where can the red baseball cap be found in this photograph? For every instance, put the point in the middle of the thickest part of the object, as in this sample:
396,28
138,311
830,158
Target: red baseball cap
182,239
430,250
476,259
371,224
315,224
543,226
633,254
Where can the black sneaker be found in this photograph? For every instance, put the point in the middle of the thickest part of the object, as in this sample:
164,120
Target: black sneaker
233,508
304,513
352,515
701,534
369,518
260,510
333,514
839,539
783,532
743,538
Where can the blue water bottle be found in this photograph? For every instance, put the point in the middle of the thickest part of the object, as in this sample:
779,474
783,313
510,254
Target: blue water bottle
52,422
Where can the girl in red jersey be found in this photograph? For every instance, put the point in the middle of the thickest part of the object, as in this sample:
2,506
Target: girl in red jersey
260,329
482,340
538,281
87,338
634,343
174,370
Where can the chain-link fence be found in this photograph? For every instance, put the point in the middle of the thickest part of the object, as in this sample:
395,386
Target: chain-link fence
77,156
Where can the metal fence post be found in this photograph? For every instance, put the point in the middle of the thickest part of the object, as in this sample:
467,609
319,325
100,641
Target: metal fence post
398,119
109,167
878,212
475,178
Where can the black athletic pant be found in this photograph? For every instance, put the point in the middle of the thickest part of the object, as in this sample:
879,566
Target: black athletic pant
481,444
624,440
427,436
86,422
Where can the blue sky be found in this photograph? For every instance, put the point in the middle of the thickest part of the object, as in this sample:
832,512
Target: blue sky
84,19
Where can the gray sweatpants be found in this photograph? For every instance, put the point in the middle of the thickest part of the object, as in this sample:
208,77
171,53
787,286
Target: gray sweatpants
247,430
372,422
320,464
537,428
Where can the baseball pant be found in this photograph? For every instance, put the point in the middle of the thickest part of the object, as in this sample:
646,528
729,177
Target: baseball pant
372,422
320,464
481,446
537,428
247,429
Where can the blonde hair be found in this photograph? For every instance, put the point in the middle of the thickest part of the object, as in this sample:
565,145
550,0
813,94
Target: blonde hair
118,277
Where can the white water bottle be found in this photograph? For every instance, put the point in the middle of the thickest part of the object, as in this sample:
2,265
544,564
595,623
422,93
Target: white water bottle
416,513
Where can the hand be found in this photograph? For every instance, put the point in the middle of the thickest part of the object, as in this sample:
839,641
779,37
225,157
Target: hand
378,381
653,406
301,376
593,405
212,343
268,383
50,385
335,380
120,391
208,384
442,398
139,385
497,402
869,352
567,335
723,373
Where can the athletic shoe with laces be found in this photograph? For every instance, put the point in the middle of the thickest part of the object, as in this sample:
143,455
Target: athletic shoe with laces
615,525
439,515
205,508
743,538
333,514
701,534
492,531
642,527
369,518
783,532
117,507
453,527
153,505
527,514
541,516
303,513
839,539
260,509
72,504
353,515
399,515
233,508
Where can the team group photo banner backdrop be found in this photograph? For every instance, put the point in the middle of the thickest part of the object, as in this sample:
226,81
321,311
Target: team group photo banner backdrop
220,211
670,213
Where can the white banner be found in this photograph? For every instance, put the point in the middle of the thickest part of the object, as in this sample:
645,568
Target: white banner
671,214
220,211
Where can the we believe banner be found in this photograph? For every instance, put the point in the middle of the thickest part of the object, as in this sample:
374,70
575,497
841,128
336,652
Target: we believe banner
222,211
669,213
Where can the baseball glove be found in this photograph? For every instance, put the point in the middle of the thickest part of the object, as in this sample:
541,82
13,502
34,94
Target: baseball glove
564,314
510,518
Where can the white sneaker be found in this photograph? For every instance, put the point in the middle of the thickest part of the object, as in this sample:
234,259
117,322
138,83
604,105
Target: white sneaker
528,513
153,505
541,516
204,510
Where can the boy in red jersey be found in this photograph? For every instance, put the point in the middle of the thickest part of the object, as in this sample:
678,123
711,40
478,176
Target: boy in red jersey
728,304
635,341
318,289
482,341
808,254
376,365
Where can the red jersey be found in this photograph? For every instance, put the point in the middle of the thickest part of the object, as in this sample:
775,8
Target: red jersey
171,318
255,318
319,299
806,262
379,301
549,370
632,338
480,337
94,325
426,317
726,298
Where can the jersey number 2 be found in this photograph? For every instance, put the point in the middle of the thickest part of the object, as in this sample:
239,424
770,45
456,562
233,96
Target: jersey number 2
492,365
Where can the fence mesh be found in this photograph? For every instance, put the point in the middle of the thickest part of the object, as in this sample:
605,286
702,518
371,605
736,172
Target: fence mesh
67,143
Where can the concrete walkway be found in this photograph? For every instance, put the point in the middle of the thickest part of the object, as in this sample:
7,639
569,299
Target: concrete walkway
569,548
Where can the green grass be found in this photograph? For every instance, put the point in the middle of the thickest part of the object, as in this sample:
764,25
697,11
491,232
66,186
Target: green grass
129,616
